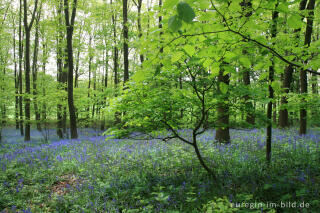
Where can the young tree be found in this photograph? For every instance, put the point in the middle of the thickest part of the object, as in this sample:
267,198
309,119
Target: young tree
222,130
126,40
275,15
61,74
27,28
303,72
20,71
35,70
69,21
287,79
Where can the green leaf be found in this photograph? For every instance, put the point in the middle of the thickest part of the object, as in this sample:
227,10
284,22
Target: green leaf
185,12
207,62
189,49
294,21
204,4
215,69
168,4
223,87
245,61
175,23
176,57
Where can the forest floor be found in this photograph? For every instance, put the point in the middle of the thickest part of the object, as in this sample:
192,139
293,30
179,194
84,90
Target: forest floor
91,174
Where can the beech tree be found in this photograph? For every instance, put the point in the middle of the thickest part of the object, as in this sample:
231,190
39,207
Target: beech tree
69,21
27,29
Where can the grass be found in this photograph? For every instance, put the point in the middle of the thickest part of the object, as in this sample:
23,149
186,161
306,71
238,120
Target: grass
94,175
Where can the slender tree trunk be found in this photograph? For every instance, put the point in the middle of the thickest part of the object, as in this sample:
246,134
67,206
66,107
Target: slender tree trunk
303,73
89,84
61,72
160,27
274,113
94,94
3,106
139,6
250,118
203,164
246,6
102,127
115,61
275,15
69,26
44,62
35,74
222,130
287,79
27,28
20,71
283,113
76,77
16,80
126,39
27,81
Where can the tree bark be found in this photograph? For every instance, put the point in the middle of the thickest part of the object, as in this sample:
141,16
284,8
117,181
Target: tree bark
70,27
35,74
246,6
27,28
61,74
102,126
286,83
16,80
20,71
303,73
275,15
283,113
89,83
125,42
115,61
222,129
44,62
139,6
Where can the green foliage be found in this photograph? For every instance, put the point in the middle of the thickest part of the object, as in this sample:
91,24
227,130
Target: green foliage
185,13
219,205
174,23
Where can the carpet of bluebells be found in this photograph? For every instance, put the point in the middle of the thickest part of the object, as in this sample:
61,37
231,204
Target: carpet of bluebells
92,174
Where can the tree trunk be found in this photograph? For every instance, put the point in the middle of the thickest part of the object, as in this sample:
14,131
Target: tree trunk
94,94
115,61
70,25
303,73
283,113
102,127
275,15
16,80
20,71
35,74
250,118
61,73
274,115
44,62
246,6
125,43
288,72
222,129
139,6
89,84
203,164
28,27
